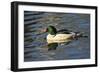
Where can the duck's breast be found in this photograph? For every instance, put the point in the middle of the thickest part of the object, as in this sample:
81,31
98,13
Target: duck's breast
50,38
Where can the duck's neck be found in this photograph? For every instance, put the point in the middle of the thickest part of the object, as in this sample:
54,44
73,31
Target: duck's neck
52,33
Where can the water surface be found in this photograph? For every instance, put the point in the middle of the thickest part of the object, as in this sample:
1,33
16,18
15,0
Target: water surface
35,42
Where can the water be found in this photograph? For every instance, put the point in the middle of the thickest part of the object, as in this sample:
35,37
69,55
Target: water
35,42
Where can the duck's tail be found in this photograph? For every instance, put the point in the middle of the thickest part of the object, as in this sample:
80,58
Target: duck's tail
80,34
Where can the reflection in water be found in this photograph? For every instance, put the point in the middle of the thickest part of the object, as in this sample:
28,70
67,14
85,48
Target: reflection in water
35,48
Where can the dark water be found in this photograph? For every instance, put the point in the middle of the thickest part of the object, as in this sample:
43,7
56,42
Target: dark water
35,42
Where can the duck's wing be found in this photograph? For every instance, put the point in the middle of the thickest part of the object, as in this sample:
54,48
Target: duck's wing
52,46
64,31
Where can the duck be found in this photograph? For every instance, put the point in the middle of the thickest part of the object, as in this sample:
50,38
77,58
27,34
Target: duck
55,37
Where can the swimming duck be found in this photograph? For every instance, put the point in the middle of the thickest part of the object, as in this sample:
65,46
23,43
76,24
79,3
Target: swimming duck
55,37
60,36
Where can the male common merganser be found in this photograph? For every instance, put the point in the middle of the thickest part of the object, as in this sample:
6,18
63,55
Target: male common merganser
55,37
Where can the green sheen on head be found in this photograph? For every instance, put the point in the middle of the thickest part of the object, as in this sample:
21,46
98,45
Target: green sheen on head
51,30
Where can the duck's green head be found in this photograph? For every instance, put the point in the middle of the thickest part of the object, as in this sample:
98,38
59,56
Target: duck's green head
51,30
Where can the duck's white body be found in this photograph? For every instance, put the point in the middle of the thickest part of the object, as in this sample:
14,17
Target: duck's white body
59,38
